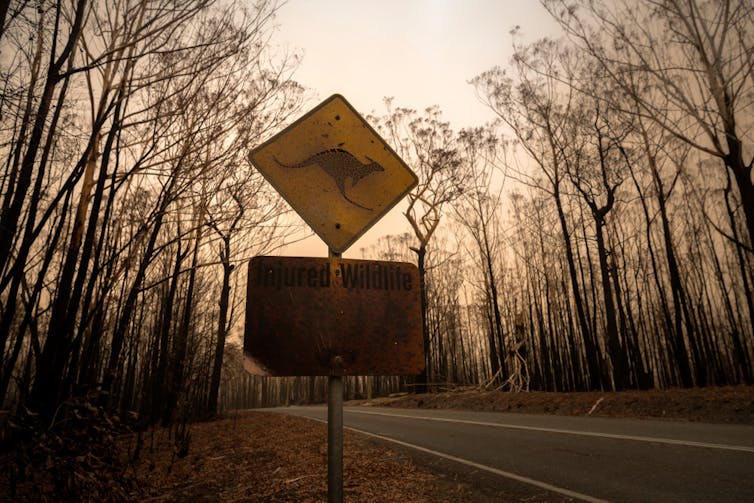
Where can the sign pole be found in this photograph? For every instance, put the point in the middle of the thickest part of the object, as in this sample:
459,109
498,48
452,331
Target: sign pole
339,214
335,440
334,431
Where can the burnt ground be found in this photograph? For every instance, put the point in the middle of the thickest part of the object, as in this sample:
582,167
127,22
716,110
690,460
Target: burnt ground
252,456
728,404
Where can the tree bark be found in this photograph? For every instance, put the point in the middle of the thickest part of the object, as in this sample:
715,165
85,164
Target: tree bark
175,376
222,330
422,379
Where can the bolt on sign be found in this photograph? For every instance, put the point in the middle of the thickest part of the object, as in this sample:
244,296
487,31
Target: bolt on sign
336,172
332,316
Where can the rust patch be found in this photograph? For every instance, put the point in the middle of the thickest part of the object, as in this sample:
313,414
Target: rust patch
332,316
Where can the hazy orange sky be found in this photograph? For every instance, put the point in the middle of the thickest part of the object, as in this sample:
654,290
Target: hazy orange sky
421,52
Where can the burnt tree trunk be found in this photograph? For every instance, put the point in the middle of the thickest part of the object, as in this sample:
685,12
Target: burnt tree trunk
222,330
590,344
422,379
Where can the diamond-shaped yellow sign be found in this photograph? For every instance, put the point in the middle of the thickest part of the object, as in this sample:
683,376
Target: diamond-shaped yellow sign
336,172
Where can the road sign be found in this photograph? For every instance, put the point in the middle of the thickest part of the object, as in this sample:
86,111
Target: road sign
336,172
332,316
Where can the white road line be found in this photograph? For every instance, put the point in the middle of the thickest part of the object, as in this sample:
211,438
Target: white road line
688,443
501,473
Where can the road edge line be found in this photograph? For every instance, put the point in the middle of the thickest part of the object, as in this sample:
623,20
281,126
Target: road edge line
490,469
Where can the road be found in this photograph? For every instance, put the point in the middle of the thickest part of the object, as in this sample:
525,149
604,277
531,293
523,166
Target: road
583,458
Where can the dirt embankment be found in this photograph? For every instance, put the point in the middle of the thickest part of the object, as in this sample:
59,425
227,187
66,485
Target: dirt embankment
728,404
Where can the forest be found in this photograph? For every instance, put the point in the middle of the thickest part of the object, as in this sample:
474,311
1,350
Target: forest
597,236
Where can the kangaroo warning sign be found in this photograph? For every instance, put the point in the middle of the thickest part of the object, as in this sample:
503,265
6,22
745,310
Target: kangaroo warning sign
335,171
332,316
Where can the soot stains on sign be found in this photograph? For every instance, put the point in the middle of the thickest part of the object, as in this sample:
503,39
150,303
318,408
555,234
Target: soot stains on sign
332,316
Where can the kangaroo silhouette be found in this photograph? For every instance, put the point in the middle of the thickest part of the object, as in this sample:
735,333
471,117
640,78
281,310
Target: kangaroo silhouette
339,164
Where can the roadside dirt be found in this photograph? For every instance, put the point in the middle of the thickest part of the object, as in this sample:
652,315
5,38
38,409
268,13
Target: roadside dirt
728,404
264,457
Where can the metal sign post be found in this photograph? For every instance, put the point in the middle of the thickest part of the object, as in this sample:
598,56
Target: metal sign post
334,430
334,316
335,439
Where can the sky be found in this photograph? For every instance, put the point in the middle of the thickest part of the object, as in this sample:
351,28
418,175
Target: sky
420,52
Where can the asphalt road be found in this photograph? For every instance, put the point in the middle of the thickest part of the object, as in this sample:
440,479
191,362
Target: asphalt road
583,458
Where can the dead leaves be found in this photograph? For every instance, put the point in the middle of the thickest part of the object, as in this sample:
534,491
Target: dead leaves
263,457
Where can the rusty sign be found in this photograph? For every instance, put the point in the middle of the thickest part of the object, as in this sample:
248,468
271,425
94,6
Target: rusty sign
332,316
335,171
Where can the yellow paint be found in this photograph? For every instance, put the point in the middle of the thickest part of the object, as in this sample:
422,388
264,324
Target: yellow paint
312,188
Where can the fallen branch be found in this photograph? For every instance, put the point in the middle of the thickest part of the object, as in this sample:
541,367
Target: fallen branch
596,404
